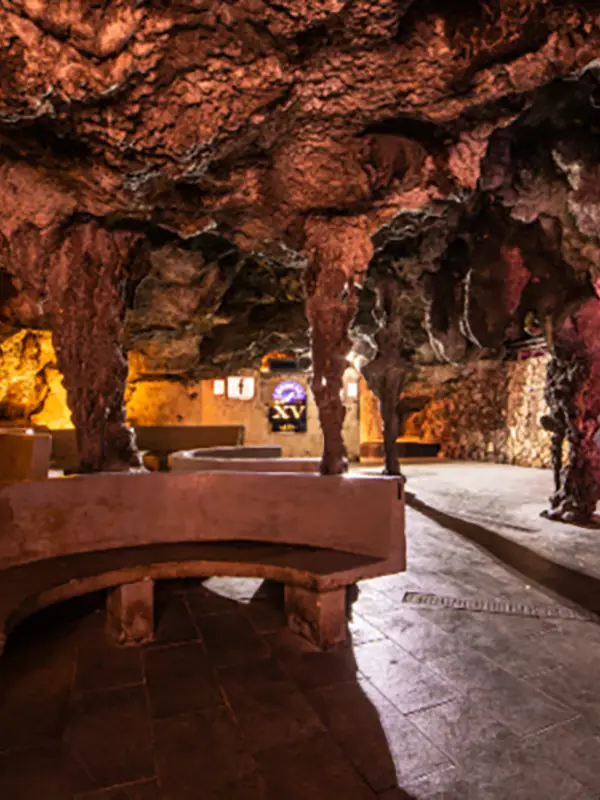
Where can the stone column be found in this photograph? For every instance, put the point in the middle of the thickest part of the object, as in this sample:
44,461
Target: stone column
386,372
573,397
338,251
86,283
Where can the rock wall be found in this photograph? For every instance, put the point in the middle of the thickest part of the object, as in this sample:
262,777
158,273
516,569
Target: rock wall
32,393
487,411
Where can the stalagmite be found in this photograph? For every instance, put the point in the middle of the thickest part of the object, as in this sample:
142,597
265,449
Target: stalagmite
573,397
87,308
385,374
338,253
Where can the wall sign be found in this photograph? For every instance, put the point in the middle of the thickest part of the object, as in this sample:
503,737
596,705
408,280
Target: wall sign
240,388
287,412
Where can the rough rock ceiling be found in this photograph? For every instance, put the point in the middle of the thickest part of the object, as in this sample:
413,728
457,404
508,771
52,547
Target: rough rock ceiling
462,134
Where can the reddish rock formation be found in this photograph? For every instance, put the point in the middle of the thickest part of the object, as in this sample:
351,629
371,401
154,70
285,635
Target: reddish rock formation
239,138
338,253
573,396
86,282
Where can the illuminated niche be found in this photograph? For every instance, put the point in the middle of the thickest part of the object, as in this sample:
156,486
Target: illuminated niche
287,411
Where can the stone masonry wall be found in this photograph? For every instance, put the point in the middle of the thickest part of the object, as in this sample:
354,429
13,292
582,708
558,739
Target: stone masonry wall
486,411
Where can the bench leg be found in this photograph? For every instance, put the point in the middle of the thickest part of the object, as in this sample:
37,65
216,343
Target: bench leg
130,612
319,617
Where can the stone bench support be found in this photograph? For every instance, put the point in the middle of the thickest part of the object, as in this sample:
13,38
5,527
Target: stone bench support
318,616
130,612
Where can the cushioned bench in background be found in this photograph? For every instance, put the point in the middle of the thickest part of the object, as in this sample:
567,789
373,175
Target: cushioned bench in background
68,536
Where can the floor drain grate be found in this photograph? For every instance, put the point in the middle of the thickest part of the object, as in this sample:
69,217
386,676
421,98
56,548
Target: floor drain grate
497,607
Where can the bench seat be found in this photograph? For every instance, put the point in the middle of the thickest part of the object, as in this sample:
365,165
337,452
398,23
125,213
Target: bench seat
315,580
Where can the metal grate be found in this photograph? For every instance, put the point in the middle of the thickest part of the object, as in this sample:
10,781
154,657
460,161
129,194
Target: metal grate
497,607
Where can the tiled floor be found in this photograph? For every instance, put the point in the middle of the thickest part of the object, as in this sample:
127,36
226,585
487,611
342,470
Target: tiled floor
227,705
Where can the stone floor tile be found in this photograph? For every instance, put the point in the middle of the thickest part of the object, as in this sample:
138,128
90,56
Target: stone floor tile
459,726
371,602
35,685
313,768
314,669
581,694
362,632
265,616
201,752
144,790
230,639
446,784
573,747
267,705
520,707
235,588
468,670
109,734
180,679
106,665
173,623
419,637
406,682
201,602
285,644
385,748
498,772
44,772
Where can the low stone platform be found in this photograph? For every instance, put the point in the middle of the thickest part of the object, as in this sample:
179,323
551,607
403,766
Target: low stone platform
197,461
24,455
405,449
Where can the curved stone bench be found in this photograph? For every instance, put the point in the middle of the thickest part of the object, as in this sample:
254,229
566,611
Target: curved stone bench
69,536
240,459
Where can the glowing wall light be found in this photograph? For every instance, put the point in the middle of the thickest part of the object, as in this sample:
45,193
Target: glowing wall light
219,387
352,390
240,388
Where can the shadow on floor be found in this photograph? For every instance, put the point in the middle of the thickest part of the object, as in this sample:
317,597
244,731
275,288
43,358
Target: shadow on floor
226,701
569,584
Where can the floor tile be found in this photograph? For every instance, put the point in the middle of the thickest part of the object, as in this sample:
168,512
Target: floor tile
385,748
406,682
230,639
173,622
145,790
314,768
268,706
180,679
41,772
107,665
200,752
109,734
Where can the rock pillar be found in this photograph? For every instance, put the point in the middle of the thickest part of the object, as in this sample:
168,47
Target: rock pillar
87,305
386,372
338,251
573,397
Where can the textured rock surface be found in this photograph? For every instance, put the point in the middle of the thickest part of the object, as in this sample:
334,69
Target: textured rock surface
484,411
229,139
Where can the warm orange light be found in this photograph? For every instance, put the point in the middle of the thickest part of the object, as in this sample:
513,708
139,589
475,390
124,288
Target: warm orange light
274,355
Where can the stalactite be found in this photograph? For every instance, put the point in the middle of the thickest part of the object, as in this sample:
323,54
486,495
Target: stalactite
385,374
338,253
573,397
86,293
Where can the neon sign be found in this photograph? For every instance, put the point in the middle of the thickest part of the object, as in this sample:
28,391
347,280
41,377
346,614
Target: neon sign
287,412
